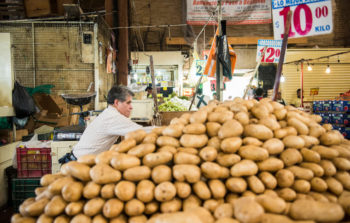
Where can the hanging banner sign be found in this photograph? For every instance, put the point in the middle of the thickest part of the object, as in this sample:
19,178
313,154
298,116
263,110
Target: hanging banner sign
234,11
272,53
310,17
200,64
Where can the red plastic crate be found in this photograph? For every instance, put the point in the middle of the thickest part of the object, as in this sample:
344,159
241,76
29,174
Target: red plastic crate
33,162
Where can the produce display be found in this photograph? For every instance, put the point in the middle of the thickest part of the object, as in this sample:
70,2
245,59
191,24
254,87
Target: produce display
235,161
175,104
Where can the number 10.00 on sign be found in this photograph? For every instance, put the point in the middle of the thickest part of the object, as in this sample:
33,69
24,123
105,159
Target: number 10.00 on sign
310,17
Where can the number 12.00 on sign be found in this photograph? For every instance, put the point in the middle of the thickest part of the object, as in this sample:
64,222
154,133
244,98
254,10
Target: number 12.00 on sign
272,52
310,17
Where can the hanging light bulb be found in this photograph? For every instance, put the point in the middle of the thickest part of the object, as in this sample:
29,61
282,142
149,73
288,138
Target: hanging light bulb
282,79
309,67
328,69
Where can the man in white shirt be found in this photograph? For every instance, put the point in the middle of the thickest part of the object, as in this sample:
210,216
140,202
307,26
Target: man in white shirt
113,122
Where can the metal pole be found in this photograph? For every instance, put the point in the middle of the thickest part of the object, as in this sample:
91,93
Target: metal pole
283,52
33,55
195,92
96,67
302,83
154,91
219,73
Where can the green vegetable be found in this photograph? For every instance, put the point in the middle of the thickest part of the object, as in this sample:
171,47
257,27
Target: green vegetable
171,106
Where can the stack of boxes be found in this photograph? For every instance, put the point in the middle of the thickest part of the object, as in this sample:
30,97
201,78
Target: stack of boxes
335,112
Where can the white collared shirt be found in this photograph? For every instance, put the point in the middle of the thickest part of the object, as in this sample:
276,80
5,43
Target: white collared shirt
104,130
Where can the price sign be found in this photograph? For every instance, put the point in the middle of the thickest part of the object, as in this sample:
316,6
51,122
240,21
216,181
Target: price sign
272,53
200,65
310,17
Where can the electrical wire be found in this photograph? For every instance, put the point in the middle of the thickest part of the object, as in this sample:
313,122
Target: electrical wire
149,26
319,58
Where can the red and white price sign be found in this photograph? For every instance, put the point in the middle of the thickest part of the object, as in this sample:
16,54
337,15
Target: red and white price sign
272,53
310,17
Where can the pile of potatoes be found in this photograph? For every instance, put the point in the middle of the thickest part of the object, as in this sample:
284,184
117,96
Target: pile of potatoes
235,161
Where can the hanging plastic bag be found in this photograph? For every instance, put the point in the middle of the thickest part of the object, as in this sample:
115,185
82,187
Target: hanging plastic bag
22,102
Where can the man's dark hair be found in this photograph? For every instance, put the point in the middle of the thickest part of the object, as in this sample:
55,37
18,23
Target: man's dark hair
259,92
118,92
298,90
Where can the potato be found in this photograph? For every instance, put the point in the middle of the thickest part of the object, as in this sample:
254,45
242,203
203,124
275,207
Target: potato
194,141
236,184
280,113
283,123
134,207
342,150
227,160
230,128
301,173
271,164
161,173
199,117
344,178
186,158
158,158
171,206
47,179
255,184
310,141
56,186
287,194
78,170
213,170
177,121
291,157
246,209
310,155
169,149
334,186
99,219
120,219
223,211
242,117
301,186
81,218
33,208
214,142
325,152
91,190
164,191
88,159
292,141
331,138
212,128
138,135
125,190
217,188
318,196
173,130
244,168
231,144
202,190
167,141
255,153
137,173
104,174
124,161
72,191
94,206
268,180
318,184
344,201
194,128
105,157
186,172
142,149
145,191
208,153
62,219
252,141
316,210
212,204
273,146
158,130
258,131
299,126
285,178
55,207
328,167
124,146
341,163
112,208
272,204
39,190
44,219
151,207
315,168
316,130
270,123
220,116
280,133
260,111
183,190
150,138
74,208
107,191
188,150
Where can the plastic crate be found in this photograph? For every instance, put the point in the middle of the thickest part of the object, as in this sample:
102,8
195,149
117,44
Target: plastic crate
23,189
33,162
327,105
341,105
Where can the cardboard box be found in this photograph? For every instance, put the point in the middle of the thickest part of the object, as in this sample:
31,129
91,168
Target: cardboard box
60,9
7,134
47,105
37,8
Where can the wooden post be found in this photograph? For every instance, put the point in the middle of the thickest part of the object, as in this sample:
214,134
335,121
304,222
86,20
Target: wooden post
109,12
283,52
123,51
219,69
302,83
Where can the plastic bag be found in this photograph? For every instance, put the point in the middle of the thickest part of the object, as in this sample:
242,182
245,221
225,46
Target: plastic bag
22,102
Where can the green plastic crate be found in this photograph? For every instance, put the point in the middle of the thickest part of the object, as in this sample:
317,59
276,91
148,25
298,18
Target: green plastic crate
22,189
